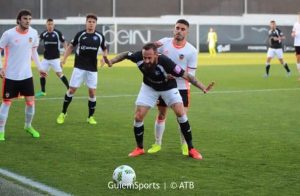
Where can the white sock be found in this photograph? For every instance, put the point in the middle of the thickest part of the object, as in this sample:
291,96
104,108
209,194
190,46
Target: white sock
182,140
4,109
159,130
29,113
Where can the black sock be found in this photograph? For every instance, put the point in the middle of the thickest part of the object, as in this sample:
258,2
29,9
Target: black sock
65,81
286,67
139,136
66,104
92,106
187,133
268,69
43,84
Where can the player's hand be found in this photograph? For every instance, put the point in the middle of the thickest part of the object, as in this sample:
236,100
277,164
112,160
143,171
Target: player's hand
43,73
209,87
158,44
107,61
2,73
170,76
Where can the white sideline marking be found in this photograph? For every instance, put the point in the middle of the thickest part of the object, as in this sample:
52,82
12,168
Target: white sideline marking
27,181
194,92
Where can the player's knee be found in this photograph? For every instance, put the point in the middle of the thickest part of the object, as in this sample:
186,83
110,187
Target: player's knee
30,103
182,119
138,123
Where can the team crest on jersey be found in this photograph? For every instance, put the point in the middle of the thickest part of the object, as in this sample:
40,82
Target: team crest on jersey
30,40
53,35
181,56
95,37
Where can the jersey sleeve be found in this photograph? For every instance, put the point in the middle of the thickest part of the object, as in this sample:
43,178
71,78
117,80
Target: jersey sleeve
170,66
192,63
103,44
61,37
134,57
74,41
42,36
4,40
161,42
36,40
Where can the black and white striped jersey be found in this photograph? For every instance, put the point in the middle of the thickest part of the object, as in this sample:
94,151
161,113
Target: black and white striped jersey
52,41
88,47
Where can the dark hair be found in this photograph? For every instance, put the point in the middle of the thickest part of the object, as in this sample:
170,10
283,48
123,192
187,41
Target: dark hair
21,13
183,21
49,20
149,46
93,16
272,21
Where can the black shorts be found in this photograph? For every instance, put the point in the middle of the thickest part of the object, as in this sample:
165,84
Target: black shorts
297,49
15,88
185,95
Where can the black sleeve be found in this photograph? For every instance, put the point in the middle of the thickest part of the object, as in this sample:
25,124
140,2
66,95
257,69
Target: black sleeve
75,41
42,36
135,57
103,43
170,66
61,37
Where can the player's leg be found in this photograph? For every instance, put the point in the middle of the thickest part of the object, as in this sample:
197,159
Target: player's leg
270,56
27,91
55,63
174,100
92,106
297,48
159,126
182,119
75,82
10,91
45,67
146,99
91,82
4,109
279,53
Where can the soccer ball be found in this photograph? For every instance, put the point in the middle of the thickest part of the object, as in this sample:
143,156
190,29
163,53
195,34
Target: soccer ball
124,176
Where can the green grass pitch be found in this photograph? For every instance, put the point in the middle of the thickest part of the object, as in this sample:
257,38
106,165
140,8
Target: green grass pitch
247,130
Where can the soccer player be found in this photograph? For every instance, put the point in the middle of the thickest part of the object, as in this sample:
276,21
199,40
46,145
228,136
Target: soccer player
52,39
89,43
185,55
275,48
212,39
20,45
158,71
296,35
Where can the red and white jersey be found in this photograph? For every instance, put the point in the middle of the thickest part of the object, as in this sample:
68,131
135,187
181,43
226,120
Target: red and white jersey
185,56
296,29
18,50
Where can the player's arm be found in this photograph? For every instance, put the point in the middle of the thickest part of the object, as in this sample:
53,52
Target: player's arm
2,73
195,82
35,58
67,53
120,57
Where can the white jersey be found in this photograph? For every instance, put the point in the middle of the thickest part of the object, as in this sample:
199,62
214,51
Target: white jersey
296,29
185,57
18,51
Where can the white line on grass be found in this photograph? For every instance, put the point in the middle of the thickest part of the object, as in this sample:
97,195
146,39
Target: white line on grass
195,92
29,182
